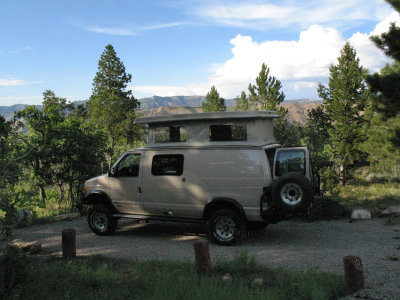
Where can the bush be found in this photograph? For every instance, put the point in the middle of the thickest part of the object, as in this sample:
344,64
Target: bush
13,270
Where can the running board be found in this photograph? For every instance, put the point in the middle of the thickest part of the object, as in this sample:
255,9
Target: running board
159,218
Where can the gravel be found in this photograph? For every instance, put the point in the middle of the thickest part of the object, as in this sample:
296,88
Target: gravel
293,244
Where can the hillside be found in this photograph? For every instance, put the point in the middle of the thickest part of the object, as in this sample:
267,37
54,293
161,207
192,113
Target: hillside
187,104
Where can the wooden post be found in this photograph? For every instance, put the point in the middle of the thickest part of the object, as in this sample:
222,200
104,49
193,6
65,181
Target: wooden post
353,274
69,243
202,256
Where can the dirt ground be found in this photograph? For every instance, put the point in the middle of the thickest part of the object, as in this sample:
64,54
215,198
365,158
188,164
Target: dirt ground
291,244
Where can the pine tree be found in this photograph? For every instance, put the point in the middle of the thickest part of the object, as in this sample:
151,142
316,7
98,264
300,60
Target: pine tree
344,102
111,106
213,101
266,94
387,83
242,103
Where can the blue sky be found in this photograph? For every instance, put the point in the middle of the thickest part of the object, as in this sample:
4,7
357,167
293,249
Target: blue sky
181,47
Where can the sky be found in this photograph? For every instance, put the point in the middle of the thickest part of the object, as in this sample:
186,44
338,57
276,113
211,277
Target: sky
182,47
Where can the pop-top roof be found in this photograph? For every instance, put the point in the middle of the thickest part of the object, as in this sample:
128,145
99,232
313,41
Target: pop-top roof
208,116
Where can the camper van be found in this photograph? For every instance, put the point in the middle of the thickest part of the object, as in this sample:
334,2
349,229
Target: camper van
222,169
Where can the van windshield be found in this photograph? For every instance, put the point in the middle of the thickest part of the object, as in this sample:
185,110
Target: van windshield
290,161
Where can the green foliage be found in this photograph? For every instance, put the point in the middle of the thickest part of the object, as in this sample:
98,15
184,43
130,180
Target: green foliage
213,101
344,102
62,149
386,84
383,154
315,134
242,103
111,106
13,271
98,277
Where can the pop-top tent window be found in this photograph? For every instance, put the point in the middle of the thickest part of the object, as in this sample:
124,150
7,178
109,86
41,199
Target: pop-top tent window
228,132
170,134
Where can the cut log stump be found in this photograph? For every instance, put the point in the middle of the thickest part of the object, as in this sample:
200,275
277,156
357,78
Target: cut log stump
202,256
353,274
69,243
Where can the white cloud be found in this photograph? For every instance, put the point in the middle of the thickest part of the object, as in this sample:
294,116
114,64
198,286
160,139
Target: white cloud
299,64
15,82
263,15
128,31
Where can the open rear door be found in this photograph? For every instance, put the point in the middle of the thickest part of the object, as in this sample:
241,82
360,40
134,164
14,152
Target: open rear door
294,159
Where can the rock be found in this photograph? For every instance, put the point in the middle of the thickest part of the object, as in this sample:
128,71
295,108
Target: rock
24,217
390,211
361,214
257,282
30,247
226,278
66,217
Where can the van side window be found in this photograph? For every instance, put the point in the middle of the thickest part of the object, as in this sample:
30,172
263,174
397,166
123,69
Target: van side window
129,166
169,164
170,134
290,161
228,132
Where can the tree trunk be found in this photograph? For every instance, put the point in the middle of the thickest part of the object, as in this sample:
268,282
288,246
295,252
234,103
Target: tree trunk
342,174
62,194
42,194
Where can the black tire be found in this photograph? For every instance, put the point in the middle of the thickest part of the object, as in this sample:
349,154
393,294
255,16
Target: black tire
256,226
101,221
226,227
292,192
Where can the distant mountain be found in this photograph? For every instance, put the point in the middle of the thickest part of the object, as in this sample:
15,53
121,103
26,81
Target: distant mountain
187,104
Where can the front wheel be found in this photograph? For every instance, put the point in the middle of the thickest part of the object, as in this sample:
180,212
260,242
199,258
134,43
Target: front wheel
226,227
101,221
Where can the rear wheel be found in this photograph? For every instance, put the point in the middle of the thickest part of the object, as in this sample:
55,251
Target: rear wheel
226,227
101,221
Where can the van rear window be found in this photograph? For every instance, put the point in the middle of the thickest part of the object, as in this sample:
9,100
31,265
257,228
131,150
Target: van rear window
168,164
290,161
228,132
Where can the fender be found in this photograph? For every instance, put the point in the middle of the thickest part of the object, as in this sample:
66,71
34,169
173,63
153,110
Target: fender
219,203
99,197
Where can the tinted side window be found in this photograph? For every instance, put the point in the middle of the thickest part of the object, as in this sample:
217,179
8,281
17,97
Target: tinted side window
169,164
129,166
290,161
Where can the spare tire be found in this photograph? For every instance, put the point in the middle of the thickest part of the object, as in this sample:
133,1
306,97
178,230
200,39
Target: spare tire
292,192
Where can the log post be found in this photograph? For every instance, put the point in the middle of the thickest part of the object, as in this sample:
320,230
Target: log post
69,243
353,274
202,256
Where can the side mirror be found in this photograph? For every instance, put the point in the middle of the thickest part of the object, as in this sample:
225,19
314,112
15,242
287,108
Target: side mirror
111,172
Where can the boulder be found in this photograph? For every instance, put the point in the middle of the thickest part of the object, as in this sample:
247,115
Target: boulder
390,211
226,278
24,217
361,214
30,247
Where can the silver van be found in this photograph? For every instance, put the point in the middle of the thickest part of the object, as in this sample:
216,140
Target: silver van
222,169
